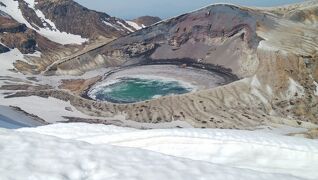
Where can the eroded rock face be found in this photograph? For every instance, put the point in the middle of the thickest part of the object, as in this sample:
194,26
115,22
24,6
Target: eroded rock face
25,42
8,25
17,35
220,35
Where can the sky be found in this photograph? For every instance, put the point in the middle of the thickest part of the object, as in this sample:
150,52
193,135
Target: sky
130,9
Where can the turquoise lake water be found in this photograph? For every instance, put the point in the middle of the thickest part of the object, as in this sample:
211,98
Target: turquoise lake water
129,90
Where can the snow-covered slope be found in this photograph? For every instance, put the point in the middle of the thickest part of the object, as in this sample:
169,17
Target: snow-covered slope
39,108
56,20
83,151
12,8
7,60
135,25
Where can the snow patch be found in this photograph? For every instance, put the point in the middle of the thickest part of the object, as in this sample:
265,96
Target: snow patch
12,9
7,59
62,37
258,94
109,24
124,26
35,54
316,91
269,90
50,109
255,82
265,46
294,88
135,25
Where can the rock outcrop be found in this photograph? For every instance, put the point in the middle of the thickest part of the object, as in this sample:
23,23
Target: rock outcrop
3,49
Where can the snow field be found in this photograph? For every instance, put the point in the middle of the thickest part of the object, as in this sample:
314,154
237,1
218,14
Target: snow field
257,151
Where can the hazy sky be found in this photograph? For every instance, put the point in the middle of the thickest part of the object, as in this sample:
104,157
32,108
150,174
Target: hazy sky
129,9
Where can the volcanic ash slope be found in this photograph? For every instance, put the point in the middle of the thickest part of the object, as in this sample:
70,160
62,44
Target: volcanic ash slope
273,54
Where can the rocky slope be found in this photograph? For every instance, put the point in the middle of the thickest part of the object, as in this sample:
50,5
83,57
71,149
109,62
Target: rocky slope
71,17
50,28
14,34
221,35
26,23
17,35
65,16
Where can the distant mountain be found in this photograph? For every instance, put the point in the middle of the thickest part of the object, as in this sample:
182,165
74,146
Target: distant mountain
298,13
71,17
143,22
64,21
146,20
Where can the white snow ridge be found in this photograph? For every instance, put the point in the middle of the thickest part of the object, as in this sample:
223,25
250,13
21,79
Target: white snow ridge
84,151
